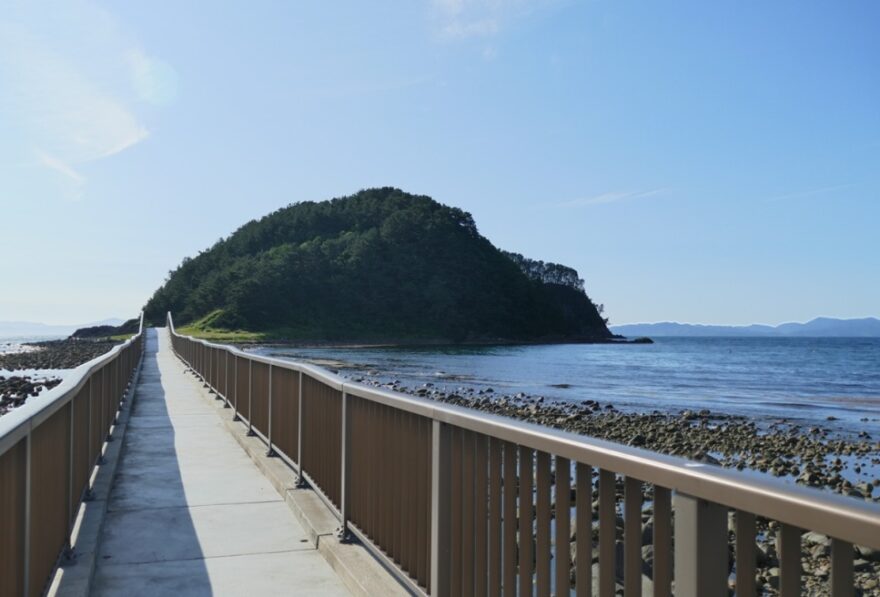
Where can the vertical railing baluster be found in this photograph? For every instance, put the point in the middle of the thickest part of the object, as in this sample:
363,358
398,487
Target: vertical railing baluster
397,498
114,379
481,515
526,546
745,554
235,415
584,530
271,451
542,529
510,522
607,531
662,542
411,492
28,514
455,515
632,540
789,549
300,479
345,493
495,502
250,417
226,382
467,533
424,523
70,464
105,403
700,547
563,526
441,522
842,584
88,448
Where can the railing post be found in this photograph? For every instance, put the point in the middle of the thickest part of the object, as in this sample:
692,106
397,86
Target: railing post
300,479
250,431
88,494
701,550
105,397
841,569
235,416
218,381
441,523
271,451
27,514
206,367
68,551
114,383
344,534
226,383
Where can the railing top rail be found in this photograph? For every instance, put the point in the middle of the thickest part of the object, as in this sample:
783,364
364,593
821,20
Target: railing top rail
803,507
16,423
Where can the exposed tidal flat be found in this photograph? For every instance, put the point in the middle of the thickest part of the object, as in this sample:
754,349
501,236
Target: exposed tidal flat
29,368
805,410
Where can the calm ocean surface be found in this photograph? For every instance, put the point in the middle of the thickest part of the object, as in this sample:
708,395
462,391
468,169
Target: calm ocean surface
801,379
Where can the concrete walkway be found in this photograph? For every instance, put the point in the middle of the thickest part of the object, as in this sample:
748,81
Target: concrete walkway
190,513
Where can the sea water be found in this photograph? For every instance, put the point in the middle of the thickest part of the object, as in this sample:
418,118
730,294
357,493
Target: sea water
834,382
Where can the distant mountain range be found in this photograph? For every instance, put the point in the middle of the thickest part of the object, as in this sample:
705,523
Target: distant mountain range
867,327
30,329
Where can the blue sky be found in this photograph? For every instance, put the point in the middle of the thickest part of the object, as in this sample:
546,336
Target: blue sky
701,161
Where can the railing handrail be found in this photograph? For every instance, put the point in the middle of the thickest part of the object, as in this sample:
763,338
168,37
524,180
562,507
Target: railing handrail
831,514
15,424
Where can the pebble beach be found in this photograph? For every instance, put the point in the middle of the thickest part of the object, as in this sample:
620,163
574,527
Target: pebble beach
814,455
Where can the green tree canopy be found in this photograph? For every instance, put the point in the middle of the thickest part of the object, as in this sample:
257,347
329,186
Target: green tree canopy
380,265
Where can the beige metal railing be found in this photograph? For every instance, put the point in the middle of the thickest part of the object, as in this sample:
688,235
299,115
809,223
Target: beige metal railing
48,449
459,502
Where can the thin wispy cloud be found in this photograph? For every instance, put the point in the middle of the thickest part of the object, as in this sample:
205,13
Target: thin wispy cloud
154,80
613,197
811,192
61,167
63,92
463,19
73,190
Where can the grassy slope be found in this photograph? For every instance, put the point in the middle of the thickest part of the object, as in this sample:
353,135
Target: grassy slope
121,337
205,329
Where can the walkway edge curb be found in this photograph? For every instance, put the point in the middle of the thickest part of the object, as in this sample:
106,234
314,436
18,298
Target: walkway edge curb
74,578
360,572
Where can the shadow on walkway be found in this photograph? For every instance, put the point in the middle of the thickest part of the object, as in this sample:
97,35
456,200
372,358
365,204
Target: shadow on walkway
189,512
149,528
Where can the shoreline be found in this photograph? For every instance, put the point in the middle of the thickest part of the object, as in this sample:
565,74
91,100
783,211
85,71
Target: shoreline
249,339
30,369
16,390
801,450
805,454
808,456
54,354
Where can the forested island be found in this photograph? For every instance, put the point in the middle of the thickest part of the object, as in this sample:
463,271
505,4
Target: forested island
379,266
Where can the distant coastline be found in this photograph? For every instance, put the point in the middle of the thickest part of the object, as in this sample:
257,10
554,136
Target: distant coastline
821,327
270,339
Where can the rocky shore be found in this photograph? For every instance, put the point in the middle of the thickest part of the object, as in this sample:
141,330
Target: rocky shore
55,354
808,455
37,361
15,390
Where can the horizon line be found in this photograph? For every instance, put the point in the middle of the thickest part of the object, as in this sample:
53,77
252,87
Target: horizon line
730,325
